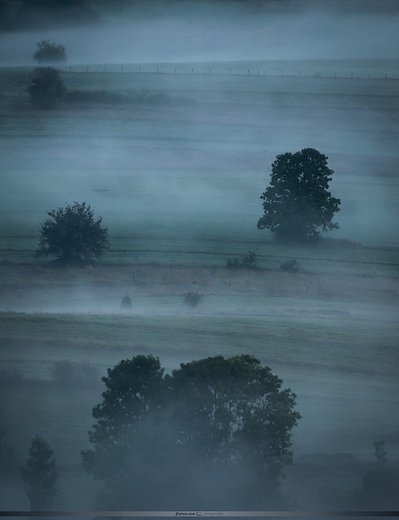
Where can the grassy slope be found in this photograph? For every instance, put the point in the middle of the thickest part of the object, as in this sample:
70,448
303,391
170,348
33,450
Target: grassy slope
311,343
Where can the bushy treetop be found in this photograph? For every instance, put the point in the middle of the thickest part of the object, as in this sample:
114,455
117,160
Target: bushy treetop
297,203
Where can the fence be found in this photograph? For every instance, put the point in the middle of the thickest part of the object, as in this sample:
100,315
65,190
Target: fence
211,71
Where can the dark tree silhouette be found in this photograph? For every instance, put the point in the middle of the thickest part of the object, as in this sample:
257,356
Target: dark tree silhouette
73,235
49,52
297,203
214,433
39,474
46,88
380,486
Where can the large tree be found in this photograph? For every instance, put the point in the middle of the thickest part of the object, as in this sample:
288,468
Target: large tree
73,235
214,433
297,203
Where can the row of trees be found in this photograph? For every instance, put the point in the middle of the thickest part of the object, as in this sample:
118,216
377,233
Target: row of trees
296,204
213,434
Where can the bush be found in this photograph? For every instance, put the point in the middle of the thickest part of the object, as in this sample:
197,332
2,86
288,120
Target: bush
290,266
49,52
247,262
46,89
192,298
73,236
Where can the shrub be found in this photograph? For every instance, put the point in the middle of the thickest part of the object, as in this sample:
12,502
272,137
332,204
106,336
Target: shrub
290,266
46,89
247,262
192,299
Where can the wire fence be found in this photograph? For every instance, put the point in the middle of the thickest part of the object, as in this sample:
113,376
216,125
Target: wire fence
230,71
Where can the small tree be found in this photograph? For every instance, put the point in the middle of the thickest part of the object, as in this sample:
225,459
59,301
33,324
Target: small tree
49,52
380,485
39,474
8,461
73,235
297,202
46,89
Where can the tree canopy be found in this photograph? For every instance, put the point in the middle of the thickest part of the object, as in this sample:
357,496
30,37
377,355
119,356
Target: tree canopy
49,52
213,433
297,203
46,88
73,235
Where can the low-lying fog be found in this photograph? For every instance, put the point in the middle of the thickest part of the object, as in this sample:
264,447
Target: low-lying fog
204,166
207,32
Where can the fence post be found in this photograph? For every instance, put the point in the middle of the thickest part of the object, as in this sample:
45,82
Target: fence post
248,72
229,71
282,73
139,69
70,69
258,72
192,70
87,69
385,75
300,72
369,75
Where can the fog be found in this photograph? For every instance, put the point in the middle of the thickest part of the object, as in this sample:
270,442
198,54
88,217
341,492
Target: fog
208,33
185,177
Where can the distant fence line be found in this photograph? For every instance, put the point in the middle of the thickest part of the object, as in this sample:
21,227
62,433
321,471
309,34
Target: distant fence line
129,69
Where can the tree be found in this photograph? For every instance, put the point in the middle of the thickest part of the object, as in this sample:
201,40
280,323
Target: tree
73,235
380,486
46,88
8,461
298,202
214,433
39,474
49,52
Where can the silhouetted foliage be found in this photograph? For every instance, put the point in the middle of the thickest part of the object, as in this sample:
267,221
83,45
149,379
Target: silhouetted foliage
39,474
192,299
290,266
49,52
126,302
380,486
214,433
46,88
247,262
8,461
73,235
297,202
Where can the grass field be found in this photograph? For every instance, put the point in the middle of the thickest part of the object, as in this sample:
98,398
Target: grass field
178,187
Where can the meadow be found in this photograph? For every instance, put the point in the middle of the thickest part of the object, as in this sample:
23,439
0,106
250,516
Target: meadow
178,187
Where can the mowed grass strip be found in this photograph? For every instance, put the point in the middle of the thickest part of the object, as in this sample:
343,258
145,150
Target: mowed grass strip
359,346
